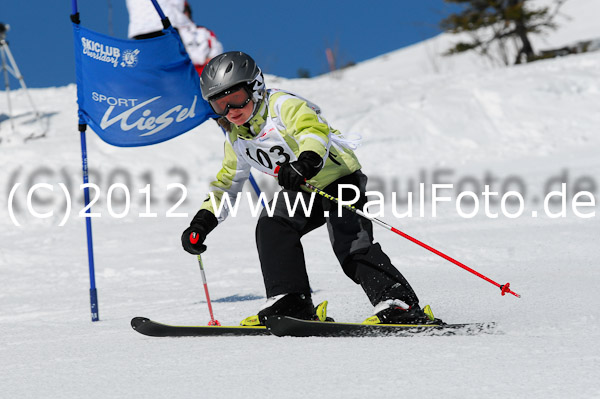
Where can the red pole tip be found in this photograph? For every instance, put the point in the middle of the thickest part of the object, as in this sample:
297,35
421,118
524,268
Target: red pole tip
214,323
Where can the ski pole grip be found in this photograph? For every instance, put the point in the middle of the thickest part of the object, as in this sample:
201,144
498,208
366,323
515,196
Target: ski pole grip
194,238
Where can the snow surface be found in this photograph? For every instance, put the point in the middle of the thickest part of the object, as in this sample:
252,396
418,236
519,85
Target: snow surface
538,122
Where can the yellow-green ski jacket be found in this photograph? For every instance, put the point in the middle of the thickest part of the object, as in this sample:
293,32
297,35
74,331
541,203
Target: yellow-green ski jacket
284,126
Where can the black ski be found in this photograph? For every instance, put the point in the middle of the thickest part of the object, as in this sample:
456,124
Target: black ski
148,327
289,326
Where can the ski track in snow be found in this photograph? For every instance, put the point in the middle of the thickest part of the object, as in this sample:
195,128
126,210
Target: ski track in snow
536,121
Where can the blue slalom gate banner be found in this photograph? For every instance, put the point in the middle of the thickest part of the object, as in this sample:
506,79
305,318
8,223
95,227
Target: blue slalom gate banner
133,93
137,92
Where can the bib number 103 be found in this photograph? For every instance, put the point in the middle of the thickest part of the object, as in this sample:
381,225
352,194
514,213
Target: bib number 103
263,158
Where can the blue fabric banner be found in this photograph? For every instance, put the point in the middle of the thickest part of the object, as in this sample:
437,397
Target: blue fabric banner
137,92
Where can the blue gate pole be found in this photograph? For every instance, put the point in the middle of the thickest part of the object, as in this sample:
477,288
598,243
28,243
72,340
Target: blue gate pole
86,194
256,188
88,226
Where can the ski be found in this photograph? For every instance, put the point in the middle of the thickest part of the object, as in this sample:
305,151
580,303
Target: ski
283,326
289,326
154,329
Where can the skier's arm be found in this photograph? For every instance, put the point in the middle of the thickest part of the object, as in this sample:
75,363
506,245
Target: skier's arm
309,132
304,125
216,47
230,181
196,43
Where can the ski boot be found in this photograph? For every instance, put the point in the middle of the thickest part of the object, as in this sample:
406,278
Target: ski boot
299,306
396,311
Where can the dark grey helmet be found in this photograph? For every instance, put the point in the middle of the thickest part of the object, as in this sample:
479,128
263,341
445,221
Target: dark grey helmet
230,69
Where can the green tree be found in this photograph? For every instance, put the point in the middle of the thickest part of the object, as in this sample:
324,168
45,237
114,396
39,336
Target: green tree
500,29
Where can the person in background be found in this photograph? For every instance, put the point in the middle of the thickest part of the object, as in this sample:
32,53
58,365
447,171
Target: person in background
144,22
200,42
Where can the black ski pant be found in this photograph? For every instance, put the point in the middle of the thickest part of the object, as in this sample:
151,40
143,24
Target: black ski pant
351,236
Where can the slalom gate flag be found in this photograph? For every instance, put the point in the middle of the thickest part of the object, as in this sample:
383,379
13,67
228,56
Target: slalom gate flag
137,92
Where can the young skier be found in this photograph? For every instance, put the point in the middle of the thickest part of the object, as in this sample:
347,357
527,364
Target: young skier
286,136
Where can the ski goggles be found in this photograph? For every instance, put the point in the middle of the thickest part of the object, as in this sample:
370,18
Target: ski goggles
237,97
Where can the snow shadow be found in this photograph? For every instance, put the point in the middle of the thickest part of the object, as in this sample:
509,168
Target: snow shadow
239,298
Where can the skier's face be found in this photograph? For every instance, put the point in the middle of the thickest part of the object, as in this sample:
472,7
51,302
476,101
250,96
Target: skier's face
239,116
235,104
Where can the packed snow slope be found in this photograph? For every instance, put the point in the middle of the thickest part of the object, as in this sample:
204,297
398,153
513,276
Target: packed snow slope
524,129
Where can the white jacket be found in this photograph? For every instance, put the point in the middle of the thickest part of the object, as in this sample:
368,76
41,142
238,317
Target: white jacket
143,18
201,43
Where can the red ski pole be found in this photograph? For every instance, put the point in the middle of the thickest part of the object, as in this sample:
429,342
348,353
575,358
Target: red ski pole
504,288
212,321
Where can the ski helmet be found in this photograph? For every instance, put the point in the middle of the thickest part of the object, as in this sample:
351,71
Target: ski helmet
230,69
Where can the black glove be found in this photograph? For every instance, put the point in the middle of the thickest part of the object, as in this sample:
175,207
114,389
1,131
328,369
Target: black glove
193,237
292,175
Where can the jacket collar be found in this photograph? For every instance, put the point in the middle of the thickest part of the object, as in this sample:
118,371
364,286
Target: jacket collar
258,121
253,127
